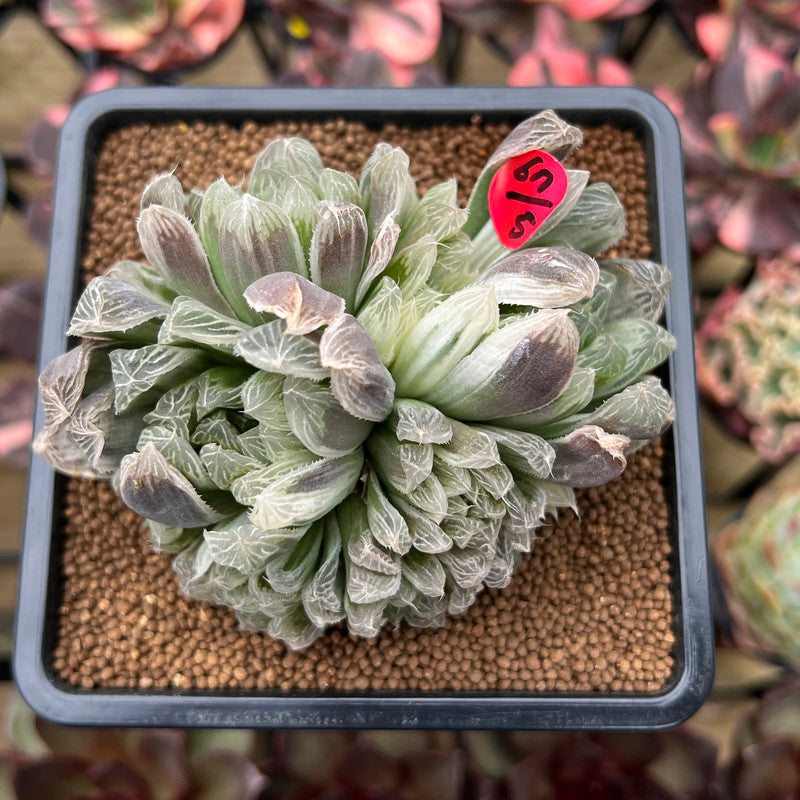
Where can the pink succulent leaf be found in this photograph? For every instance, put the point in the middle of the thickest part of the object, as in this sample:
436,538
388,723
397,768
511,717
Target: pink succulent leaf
757,224
209,25
554,59
585,10
405,31
715,34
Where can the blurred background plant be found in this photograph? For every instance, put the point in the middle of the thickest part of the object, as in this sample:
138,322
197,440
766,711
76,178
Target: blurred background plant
730,71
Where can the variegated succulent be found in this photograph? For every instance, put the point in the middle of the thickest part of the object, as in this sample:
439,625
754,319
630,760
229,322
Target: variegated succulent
336,401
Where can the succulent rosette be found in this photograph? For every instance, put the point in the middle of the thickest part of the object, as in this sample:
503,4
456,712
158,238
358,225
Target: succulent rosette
337,401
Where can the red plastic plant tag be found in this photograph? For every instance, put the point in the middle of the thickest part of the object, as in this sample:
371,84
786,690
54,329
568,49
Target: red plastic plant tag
523,194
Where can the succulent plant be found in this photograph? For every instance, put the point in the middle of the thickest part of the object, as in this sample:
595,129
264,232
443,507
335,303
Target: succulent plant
679,764
554,59
739,124
336,401
757,556
766,761
747,362
50,761
153,36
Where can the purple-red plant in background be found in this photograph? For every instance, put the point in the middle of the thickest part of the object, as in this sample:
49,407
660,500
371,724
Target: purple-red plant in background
740,123
553,59
151,35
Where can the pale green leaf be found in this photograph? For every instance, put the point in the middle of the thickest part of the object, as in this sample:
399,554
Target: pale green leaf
318,420
468,448
425,573
519,367
544,277
385,522
401,466
307,493
642,288
271,348
112,309
360,381
523,452
415,421
154,367
164,190
191,322
380,318
442,338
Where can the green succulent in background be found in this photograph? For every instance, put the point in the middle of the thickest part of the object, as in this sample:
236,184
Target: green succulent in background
757,557
337,401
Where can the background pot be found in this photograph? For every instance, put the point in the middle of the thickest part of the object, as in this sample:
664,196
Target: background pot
41,579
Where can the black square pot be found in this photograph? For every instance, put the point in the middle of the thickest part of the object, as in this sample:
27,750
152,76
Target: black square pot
41,578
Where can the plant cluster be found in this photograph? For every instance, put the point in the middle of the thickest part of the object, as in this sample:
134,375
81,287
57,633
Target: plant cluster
759,567
336,401
747,360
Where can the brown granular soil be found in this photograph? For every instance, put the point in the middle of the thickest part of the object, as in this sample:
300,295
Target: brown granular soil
589,610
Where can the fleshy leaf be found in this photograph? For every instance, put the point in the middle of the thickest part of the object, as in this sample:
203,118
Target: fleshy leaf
239,544
642,411
318,420
380,318
425,573
322,594
143,277
63,382
415,421
545,277
605,356
179,453
152,487
153,367
225,466
172,246
523,452
338,248
256,238
386,523
308,492
191,322
588,456
519,367
647,345
360,381
303,305
411,267
596,223
290,568
164,190
221,387
468,448
338,187
442,338
641,288
401,466
387,189
211,209
270,348
545,131
576,395
102,434
380,254
293,154
111,309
